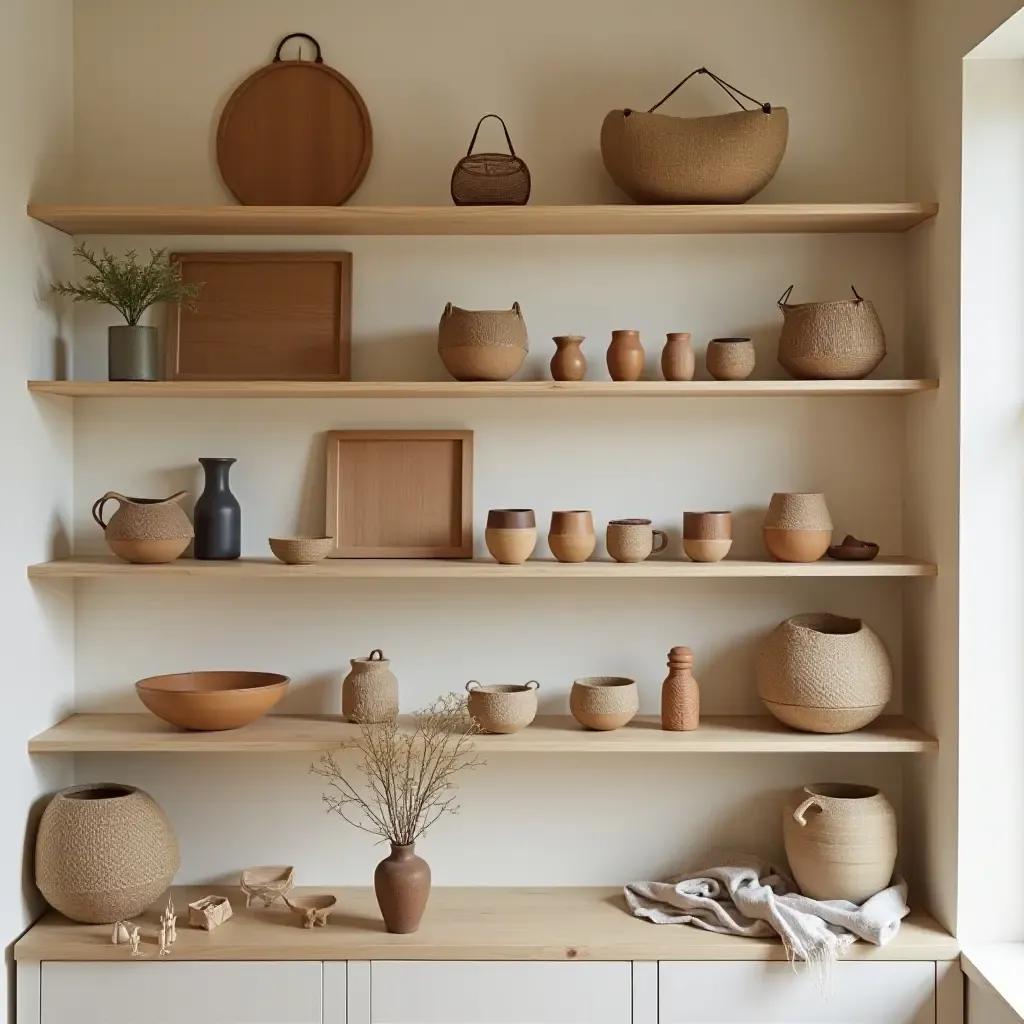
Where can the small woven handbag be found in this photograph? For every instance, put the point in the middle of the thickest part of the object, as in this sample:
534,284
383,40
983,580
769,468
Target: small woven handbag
490,179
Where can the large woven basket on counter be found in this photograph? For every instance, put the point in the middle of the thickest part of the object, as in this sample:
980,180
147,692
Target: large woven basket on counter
726,158
490,179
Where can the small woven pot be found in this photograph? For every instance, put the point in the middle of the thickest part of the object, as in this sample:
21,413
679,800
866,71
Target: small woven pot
490,179
504,708
482,344
726,158
604,702
301,550
104,852
730,358
840,340
369,693
824,673
798,527
840,841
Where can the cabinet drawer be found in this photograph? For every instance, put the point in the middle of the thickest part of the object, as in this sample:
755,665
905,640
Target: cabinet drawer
484,992
169,993
771,993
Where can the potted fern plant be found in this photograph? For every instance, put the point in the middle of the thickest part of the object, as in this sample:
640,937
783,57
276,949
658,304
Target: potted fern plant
131,287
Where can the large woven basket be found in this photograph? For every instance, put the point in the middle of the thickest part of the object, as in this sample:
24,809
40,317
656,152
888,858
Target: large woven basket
104,852
482,344
490,179
840,340
727,158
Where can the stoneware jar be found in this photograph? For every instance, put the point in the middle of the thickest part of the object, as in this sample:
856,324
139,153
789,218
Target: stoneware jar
402,885
571,537
482,344
104,852
677,359
568,362
145,530
797,527
511,534
502,708
840,340
824,673
625,356
840,841
707,536
633,540
369,693
730,358
604,702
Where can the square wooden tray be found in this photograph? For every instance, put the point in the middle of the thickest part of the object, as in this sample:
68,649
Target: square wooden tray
400,493
263,316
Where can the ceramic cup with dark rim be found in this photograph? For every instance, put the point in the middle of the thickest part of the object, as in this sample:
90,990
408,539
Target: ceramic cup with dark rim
633,540
511,534
707,536
571,537
730,358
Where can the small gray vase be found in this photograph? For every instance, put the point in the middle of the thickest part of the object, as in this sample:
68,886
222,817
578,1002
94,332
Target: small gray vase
133,353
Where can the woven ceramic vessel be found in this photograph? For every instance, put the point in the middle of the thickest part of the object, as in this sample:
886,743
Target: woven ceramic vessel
707,536
824,673
301,550
840,841
604,702
482,344
369,693
840,340
104,852
503,708
726,158
730,358
634,540
490,179
798,527
147,531
511,534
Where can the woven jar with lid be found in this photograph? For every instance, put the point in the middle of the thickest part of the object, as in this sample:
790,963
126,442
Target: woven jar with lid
369,693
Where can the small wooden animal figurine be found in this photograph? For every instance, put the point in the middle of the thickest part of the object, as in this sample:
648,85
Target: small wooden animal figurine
680,695
119,935
133,938
172,922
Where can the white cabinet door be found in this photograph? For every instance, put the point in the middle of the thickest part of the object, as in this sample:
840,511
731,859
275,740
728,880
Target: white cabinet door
771,993
488,992
151,992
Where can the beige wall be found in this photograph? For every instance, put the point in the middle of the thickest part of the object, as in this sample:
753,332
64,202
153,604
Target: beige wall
35,622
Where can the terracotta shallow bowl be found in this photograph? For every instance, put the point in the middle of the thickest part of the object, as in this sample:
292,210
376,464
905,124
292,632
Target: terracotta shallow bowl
211,701
301,550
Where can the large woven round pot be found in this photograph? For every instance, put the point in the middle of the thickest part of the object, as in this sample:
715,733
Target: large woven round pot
482,344
104,852
824,673
840,340
840,841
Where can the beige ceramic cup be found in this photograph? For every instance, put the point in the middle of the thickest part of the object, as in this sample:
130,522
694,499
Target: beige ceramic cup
632,540
604,702
511,534
571,537
707,536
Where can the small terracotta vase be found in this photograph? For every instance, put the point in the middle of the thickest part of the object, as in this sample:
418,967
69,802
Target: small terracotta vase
402,885
798,527
625,356
571,537
677,359
707,536
369,693
568,362
731,358
511,534
680,695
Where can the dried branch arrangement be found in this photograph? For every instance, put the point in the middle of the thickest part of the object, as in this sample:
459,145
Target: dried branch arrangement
408,771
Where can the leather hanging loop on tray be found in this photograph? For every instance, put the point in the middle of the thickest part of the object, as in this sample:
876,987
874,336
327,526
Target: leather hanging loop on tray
294,133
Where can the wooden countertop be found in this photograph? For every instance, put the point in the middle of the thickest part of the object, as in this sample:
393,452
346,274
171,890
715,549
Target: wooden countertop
460,924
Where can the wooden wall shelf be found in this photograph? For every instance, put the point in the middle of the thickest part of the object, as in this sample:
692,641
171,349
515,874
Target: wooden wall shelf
549,734
620,219
100,567
455,389
460,924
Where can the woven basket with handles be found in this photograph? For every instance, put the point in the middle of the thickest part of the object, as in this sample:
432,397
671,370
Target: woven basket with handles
840,340
490,179
726,158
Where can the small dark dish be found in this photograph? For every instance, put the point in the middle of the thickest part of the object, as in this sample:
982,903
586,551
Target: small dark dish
853,550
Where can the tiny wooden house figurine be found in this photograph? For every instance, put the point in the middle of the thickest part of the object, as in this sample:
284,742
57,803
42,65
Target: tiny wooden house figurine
491,179
680,695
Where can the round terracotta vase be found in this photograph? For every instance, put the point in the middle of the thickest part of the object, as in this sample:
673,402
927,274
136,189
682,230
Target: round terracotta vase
571,537
625,356
104,852
568,362
369,693
840,841
402,885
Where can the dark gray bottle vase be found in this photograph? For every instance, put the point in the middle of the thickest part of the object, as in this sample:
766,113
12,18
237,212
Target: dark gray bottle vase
218,516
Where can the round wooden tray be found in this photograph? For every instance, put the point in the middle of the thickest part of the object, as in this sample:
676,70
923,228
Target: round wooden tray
294,133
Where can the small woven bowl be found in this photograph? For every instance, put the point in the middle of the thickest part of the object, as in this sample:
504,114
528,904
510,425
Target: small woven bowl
301,550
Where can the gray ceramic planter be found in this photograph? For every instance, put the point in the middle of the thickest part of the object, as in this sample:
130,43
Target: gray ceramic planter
133,353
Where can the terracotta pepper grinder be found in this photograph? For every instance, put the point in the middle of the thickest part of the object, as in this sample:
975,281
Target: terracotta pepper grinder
680,695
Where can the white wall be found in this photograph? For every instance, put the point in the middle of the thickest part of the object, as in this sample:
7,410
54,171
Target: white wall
37,624
427,72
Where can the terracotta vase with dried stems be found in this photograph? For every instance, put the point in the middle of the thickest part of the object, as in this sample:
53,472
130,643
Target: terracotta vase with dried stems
408,782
